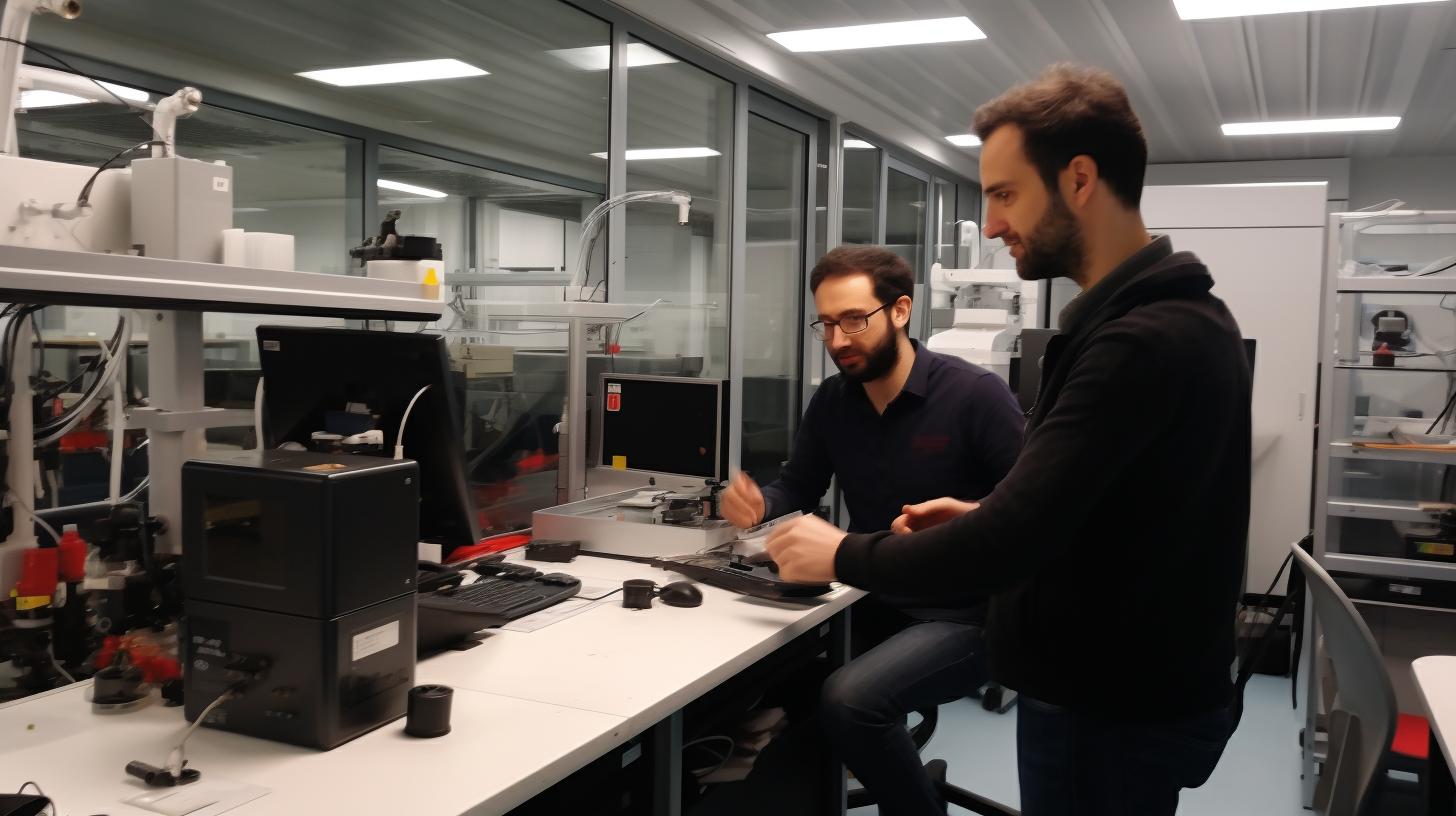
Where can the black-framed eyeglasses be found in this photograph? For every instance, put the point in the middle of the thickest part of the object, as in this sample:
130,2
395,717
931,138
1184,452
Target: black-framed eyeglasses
851,324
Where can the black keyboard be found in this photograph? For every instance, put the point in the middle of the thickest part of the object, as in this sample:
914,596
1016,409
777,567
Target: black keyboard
734,573
450,614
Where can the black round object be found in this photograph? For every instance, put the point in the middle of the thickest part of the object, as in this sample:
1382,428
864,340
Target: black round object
637,593
429,711
117,684
991,698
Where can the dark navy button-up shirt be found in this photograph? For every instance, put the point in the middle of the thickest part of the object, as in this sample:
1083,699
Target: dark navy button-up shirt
954,430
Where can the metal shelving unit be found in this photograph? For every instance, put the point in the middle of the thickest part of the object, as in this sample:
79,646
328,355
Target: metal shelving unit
1372,503
175,294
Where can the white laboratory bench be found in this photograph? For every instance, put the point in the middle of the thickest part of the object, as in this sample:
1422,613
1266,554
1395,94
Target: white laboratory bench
530,708
1436,680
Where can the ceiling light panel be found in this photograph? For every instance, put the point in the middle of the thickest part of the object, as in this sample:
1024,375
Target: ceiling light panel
1210,9
394,72
880,35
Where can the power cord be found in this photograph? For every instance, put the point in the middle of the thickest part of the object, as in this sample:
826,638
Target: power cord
42,794
176,772
84,199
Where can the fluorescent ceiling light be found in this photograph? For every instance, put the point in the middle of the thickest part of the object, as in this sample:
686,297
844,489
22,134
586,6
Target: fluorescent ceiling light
964,140
1311,126
878,35
857,144
1208,9
393,72
31,100
667,153
249,209
1266,184
386,184
599,57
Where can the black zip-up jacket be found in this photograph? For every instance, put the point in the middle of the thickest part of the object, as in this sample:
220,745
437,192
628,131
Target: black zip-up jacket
1114,549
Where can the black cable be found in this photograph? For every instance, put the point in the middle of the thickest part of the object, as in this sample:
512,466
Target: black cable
636,559
84,199
1450,401
50,425
78,72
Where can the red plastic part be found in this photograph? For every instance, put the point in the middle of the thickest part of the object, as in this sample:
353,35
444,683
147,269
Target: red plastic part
1412,737
73,556
84,440
39,572
489,545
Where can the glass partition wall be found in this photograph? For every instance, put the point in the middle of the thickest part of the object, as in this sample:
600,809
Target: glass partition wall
501,164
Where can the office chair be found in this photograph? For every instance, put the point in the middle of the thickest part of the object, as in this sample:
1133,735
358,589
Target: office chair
920,733
1363,715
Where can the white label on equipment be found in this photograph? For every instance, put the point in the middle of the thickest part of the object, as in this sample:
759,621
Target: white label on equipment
272,345
376,640
220,184
614,388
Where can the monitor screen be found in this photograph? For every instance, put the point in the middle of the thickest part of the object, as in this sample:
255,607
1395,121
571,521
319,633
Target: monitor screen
345,382
663,424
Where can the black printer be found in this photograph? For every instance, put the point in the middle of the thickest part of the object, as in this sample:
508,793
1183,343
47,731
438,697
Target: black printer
298,574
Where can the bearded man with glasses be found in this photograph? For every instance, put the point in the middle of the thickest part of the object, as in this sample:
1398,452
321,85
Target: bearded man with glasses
900,424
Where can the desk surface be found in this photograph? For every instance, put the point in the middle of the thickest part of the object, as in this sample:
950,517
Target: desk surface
501,752
641,664
530,708
1436,679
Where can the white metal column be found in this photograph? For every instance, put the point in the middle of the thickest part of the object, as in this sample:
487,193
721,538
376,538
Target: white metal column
737,251
174,375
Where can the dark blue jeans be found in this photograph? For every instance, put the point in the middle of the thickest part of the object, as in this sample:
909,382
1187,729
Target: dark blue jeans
1075,764
864,704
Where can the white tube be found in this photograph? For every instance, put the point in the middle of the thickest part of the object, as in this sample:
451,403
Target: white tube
36,77
258,414
118,421
403,421
592,224
83,409
15,25
20,447
179,105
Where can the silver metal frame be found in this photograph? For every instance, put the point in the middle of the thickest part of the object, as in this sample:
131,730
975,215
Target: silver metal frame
596,454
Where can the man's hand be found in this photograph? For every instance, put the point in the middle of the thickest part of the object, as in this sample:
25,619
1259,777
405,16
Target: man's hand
742,502
804,549
925,515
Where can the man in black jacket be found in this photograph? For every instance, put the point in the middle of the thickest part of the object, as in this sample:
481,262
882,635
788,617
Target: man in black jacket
1114,549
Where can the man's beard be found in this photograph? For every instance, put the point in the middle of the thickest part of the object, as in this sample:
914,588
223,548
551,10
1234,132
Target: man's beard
877,362
1054,248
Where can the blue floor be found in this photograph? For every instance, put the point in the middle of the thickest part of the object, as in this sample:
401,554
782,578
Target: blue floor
1258,775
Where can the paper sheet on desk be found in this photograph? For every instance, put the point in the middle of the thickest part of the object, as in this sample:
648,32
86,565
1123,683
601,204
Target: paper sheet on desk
205,797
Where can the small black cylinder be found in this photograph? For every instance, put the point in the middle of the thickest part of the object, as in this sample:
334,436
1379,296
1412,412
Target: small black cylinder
638,593
429,711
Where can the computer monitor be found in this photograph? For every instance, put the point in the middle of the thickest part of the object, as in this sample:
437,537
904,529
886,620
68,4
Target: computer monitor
674,425
311,377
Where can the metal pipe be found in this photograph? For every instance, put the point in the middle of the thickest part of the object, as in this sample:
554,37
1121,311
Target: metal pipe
15,26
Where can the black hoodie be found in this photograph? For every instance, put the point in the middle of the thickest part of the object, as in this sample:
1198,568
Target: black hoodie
1114,549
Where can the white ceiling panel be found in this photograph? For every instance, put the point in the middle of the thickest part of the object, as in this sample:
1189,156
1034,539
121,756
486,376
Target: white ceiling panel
1185,78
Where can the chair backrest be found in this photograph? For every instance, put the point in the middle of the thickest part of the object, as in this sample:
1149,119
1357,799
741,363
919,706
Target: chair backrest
1363,715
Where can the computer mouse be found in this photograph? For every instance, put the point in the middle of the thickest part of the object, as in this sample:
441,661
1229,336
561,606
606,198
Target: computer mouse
681,593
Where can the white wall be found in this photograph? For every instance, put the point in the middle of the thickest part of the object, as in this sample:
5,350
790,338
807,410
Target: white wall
1422,182
1335,172
1270,277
